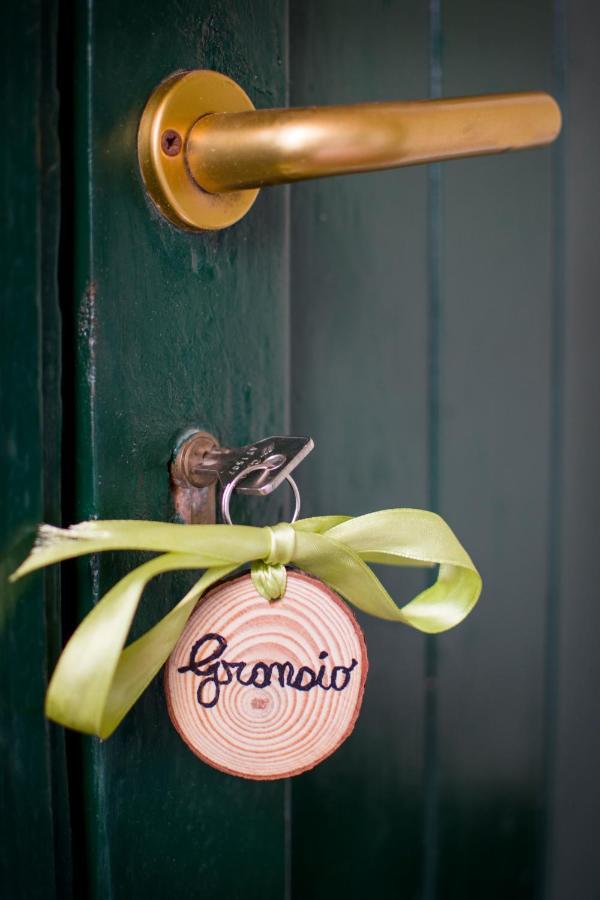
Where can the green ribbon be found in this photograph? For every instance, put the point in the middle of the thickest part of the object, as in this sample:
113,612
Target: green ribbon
97,679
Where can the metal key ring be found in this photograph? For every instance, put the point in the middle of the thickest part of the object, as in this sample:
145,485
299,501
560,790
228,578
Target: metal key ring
231,486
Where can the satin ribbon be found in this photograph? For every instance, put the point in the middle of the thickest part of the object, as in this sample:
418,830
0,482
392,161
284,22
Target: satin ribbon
97,679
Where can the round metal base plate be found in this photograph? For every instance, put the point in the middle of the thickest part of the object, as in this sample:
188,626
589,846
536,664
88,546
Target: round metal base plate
170,112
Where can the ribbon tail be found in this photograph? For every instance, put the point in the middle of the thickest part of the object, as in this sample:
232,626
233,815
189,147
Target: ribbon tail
82,680
140,661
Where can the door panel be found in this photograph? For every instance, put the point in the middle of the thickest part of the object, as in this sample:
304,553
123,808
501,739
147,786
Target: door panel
474,414
495,483
573,784
174,330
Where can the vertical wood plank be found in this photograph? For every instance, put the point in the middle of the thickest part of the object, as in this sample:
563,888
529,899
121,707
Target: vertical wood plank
359,381
494,475
573,868
434,332
174,330
34,839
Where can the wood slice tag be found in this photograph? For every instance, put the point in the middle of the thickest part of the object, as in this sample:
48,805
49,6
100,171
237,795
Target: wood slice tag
267,690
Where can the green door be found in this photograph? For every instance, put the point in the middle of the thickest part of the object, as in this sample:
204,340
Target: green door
430,328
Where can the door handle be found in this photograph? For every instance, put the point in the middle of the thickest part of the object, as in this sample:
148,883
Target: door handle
205,151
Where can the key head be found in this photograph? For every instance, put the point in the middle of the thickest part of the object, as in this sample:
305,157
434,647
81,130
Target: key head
276,456
200,463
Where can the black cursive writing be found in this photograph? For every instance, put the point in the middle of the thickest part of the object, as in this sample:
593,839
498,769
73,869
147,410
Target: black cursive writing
216,672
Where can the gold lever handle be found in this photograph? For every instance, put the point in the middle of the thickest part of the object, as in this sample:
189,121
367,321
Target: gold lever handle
233,151
204,150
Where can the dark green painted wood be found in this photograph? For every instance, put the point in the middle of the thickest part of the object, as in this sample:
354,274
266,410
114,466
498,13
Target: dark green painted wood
34,839
174,330
495,483
359,386
573,866
441,352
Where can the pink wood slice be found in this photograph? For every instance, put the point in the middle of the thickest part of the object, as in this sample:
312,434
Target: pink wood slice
298,695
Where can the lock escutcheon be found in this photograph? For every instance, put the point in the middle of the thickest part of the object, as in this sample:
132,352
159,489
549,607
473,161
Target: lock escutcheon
200,465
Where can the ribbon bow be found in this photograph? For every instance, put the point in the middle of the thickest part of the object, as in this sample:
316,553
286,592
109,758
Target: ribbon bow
97,679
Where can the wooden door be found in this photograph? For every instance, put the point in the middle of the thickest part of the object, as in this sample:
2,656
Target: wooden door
430,328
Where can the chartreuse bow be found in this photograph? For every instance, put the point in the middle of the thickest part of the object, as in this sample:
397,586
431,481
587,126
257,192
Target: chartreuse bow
97,679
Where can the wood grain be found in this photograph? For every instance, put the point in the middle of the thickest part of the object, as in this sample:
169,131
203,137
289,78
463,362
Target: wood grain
286,721
34,831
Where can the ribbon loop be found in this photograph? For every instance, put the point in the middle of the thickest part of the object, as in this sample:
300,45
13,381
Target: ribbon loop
269,581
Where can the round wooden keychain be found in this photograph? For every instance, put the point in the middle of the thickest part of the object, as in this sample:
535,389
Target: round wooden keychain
267,689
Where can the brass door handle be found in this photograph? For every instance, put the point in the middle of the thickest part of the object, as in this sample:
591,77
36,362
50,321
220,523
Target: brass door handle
204,150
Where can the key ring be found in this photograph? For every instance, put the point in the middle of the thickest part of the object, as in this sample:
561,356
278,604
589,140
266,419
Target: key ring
231,486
